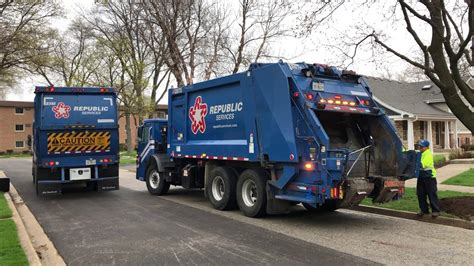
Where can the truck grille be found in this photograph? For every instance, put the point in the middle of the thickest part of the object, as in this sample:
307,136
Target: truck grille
78,142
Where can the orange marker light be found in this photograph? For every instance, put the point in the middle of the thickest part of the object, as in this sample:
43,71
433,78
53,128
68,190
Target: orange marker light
330,101
309,166
345,102
309,96
338,102
352,103
322,101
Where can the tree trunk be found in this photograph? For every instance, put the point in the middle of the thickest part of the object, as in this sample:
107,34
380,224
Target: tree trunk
128,131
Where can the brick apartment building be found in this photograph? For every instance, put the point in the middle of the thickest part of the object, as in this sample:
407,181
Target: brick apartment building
17,124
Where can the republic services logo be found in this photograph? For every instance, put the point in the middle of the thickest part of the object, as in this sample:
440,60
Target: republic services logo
61,110
197,113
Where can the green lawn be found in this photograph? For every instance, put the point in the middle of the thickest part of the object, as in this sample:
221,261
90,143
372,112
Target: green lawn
409,202
11,252
5,211
15,155
128,157
463,179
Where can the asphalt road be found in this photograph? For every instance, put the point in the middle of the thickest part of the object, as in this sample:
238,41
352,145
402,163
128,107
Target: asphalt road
132,227
129,227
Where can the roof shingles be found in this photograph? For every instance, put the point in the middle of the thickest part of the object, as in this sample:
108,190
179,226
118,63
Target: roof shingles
408,97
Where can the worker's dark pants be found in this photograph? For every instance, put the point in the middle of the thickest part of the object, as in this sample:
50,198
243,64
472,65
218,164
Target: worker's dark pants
427,187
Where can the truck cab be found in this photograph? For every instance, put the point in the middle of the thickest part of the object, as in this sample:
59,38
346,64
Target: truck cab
151,142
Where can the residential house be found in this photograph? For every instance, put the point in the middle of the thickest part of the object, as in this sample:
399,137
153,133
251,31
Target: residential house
419,112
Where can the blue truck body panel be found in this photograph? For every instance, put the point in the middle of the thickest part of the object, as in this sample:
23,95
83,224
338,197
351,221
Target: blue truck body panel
75,130
315,129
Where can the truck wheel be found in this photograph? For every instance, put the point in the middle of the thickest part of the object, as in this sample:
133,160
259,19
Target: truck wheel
221,188
155,181
251,193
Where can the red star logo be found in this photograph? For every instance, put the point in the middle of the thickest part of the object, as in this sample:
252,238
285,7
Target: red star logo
197,114
61,110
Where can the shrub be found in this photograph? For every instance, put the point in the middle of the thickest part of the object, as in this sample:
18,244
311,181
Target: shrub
460,154
25,152
2,153
468,147
9,151
123,147
439,160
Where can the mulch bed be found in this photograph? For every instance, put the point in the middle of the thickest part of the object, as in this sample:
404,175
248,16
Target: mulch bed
462,207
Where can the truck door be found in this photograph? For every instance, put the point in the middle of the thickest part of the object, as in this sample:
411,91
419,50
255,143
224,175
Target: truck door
143,149
143,139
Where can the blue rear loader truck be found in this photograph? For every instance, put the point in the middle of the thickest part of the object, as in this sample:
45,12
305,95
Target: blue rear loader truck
75,139
276,135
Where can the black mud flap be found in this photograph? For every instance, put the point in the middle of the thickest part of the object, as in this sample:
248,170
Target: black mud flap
386,189
45,189
274,205
355,190
108,184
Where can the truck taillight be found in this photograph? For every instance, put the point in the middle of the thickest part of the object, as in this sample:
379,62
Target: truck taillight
309,96
309,166
51,163
296,94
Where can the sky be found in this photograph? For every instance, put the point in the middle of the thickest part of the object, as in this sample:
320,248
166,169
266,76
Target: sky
315,48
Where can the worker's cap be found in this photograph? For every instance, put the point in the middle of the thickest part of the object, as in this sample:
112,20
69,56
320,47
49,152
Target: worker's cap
423,143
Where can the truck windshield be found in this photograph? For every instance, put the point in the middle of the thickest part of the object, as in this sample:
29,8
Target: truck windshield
68,109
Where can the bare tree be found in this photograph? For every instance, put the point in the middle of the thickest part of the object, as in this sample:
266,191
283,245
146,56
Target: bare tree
259,22
72,59
181,24
24,31
445,54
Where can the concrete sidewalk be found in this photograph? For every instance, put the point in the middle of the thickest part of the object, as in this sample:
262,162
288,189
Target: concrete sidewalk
447,172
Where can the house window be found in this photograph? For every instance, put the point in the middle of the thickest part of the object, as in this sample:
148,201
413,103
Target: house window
19,144
422,130
404,130
19,128
19,111
438,132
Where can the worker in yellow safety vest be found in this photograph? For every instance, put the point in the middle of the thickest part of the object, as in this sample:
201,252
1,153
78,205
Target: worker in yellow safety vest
426,186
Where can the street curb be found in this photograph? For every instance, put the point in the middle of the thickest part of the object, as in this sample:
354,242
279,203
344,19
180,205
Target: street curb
25,239
38,247
412,216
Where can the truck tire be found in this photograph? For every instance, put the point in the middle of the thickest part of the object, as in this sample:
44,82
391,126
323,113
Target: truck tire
328,206
221,188
251,192
155,181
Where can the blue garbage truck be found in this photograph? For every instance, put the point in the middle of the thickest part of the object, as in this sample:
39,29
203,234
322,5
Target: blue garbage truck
273,136
75,139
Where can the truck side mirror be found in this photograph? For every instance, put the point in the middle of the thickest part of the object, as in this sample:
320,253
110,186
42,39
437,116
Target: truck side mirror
28,141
